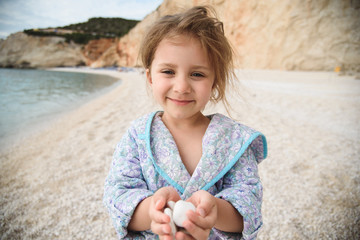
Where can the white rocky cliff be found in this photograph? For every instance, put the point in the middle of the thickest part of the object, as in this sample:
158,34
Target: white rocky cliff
277,34
22,51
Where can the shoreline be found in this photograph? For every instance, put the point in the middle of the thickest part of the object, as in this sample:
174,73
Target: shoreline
52,184
112,72
30,130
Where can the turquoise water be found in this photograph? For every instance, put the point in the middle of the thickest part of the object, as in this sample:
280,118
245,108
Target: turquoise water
28,97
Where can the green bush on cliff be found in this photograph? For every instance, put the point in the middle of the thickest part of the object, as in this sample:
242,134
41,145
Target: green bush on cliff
94,28
80,38
111,27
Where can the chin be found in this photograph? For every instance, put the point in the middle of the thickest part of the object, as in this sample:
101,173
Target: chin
182,115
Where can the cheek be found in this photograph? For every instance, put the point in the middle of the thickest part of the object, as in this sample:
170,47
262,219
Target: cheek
209,90
208,97
204,94
159,87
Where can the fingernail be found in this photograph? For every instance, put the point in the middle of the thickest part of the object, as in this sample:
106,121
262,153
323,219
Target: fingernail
157,204
166,230
202,212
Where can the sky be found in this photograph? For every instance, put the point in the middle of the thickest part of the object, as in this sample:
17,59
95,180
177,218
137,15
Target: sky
17,15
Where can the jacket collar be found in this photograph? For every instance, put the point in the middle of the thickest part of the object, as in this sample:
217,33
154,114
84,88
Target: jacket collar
223,144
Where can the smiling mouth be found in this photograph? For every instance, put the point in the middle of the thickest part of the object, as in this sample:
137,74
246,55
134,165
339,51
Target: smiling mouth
180,102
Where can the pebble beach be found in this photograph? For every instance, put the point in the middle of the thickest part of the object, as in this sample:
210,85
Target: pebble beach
51,182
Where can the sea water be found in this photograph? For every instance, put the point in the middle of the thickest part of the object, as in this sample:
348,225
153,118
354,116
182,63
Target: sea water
29,97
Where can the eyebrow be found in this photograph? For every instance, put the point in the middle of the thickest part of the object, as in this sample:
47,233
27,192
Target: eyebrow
201,67
175,66
167,65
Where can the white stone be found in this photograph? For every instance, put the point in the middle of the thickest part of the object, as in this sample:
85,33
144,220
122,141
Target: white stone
179,212
169,212
171,204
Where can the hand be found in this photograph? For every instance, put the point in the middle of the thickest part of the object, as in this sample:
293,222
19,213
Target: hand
200,223
159,220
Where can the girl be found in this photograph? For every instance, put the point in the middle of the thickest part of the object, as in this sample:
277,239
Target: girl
179,153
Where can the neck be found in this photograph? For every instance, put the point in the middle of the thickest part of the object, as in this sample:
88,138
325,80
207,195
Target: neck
199,120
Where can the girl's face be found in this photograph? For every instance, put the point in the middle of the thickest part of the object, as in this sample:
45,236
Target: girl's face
181,77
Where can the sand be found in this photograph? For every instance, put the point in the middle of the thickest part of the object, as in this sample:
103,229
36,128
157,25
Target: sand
52,182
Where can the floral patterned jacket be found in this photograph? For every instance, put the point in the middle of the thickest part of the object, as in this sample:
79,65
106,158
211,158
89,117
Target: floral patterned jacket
147,159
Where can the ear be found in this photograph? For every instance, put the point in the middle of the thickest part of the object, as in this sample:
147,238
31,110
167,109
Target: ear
148,76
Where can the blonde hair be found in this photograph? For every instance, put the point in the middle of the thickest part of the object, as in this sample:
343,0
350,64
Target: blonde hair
201,23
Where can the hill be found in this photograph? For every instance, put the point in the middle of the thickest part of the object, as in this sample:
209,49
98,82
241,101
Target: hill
321,35
309,35
94,28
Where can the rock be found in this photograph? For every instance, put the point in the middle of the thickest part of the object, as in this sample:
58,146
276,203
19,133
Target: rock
169,212
179,212
109,58
22,51
98,49
286,35
171,204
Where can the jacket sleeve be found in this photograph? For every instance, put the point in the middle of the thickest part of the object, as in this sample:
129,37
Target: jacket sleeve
243,189
125,186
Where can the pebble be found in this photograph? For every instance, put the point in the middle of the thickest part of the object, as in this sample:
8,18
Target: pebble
179,210
169,212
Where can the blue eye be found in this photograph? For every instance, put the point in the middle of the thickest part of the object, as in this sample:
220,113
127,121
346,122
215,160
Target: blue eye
168,72
197,74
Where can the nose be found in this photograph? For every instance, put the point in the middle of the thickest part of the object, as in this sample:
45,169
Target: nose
182,84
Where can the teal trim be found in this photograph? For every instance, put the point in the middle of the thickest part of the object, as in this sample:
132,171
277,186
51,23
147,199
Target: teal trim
234,160
148,147
265,146
141,136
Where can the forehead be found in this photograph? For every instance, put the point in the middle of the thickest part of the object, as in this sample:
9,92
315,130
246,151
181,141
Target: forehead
181,47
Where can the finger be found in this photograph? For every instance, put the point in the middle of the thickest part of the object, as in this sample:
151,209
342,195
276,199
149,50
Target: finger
163,195
195,231
198,197
183,236
205,207
173,195
166,237
160,229
204,223
160,217
194,200
160,203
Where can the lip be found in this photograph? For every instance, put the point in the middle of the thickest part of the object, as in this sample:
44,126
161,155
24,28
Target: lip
180,102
